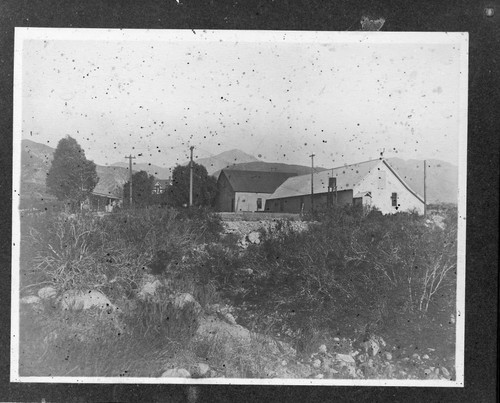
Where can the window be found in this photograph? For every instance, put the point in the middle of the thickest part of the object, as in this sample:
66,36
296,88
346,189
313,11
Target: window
394,198
259,203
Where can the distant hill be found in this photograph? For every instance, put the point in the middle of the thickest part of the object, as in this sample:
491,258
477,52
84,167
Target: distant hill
36,160
270,167
442,178
213,164
155,170
226,159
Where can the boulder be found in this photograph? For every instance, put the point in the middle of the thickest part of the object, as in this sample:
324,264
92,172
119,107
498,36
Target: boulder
176,373
47,293
254,237
186,301
77,300
316,364
149,289
322,349
230,319
201,370
345,358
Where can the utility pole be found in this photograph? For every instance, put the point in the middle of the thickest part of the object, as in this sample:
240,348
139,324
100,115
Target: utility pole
130,158
191,178
312,183
425,188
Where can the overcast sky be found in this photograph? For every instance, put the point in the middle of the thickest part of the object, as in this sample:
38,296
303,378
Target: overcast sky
279,100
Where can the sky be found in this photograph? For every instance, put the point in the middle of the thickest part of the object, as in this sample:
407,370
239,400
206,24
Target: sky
279,99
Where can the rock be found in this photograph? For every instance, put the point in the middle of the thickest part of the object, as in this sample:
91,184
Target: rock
415,356
76,300
186,300
229,319
253,237
319,376
201,370
284,363
316,364
373,345
388,356
176,373
336,339
246,271
149,289
47,292
346,358
30,300
425,357
322,349
445,372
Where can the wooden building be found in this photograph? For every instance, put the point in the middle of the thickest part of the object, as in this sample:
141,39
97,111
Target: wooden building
246,190
370,183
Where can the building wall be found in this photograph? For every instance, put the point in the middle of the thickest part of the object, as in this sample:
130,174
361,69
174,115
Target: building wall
245,201
382,183
225,194
298,204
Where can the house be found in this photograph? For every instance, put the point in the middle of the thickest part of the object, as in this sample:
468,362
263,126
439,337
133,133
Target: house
106,196
372,183
247,190
160,185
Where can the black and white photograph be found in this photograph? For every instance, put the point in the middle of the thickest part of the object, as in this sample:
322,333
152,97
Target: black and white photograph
239,207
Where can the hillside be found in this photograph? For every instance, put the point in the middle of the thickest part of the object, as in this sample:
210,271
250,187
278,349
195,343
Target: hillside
151,169
442,178
36,160
262,166
226,159
213,164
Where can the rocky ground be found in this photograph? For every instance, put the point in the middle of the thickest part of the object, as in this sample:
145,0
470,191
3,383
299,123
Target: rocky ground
218,346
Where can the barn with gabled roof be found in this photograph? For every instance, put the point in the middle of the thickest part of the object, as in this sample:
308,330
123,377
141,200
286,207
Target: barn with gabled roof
247,190
371,183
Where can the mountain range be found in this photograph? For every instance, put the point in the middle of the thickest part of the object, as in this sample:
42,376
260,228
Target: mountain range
442,177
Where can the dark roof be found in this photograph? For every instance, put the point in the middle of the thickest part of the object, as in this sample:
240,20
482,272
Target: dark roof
255,181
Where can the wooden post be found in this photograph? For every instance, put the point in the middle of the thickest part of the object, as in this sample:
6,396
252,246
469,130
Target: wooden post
312,183
191,178
425,188
130,178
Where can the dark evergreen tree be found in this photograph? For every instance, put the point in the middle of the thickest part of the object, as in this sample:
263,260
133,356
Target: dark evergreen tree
142,190
71,177
204,187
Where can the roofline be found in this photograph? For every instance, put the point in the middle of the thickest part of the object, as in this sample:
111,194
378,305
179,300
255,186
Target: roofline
403,182
357,163
106,195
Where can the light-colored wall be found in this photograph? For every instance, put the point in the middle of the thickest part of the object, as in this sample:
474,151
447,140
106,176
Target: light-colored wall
381,191
248,201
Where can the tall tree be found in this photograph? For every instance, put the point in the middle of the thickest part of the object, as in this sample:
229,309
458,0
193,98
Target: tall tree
71,177
204,186
142,190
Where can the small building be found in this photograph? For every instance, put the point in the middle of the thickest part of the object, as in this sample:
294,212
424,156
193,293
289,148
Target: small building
246,190
106,196
160,185
372,183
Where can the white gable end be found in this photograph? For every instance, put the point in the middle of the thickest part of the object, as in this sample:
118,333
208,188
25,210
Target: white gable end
383,184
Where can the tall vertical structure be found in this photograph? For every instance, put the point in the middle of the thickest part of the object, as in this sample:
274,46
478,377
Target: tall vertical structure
130,158
191,178
312,183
